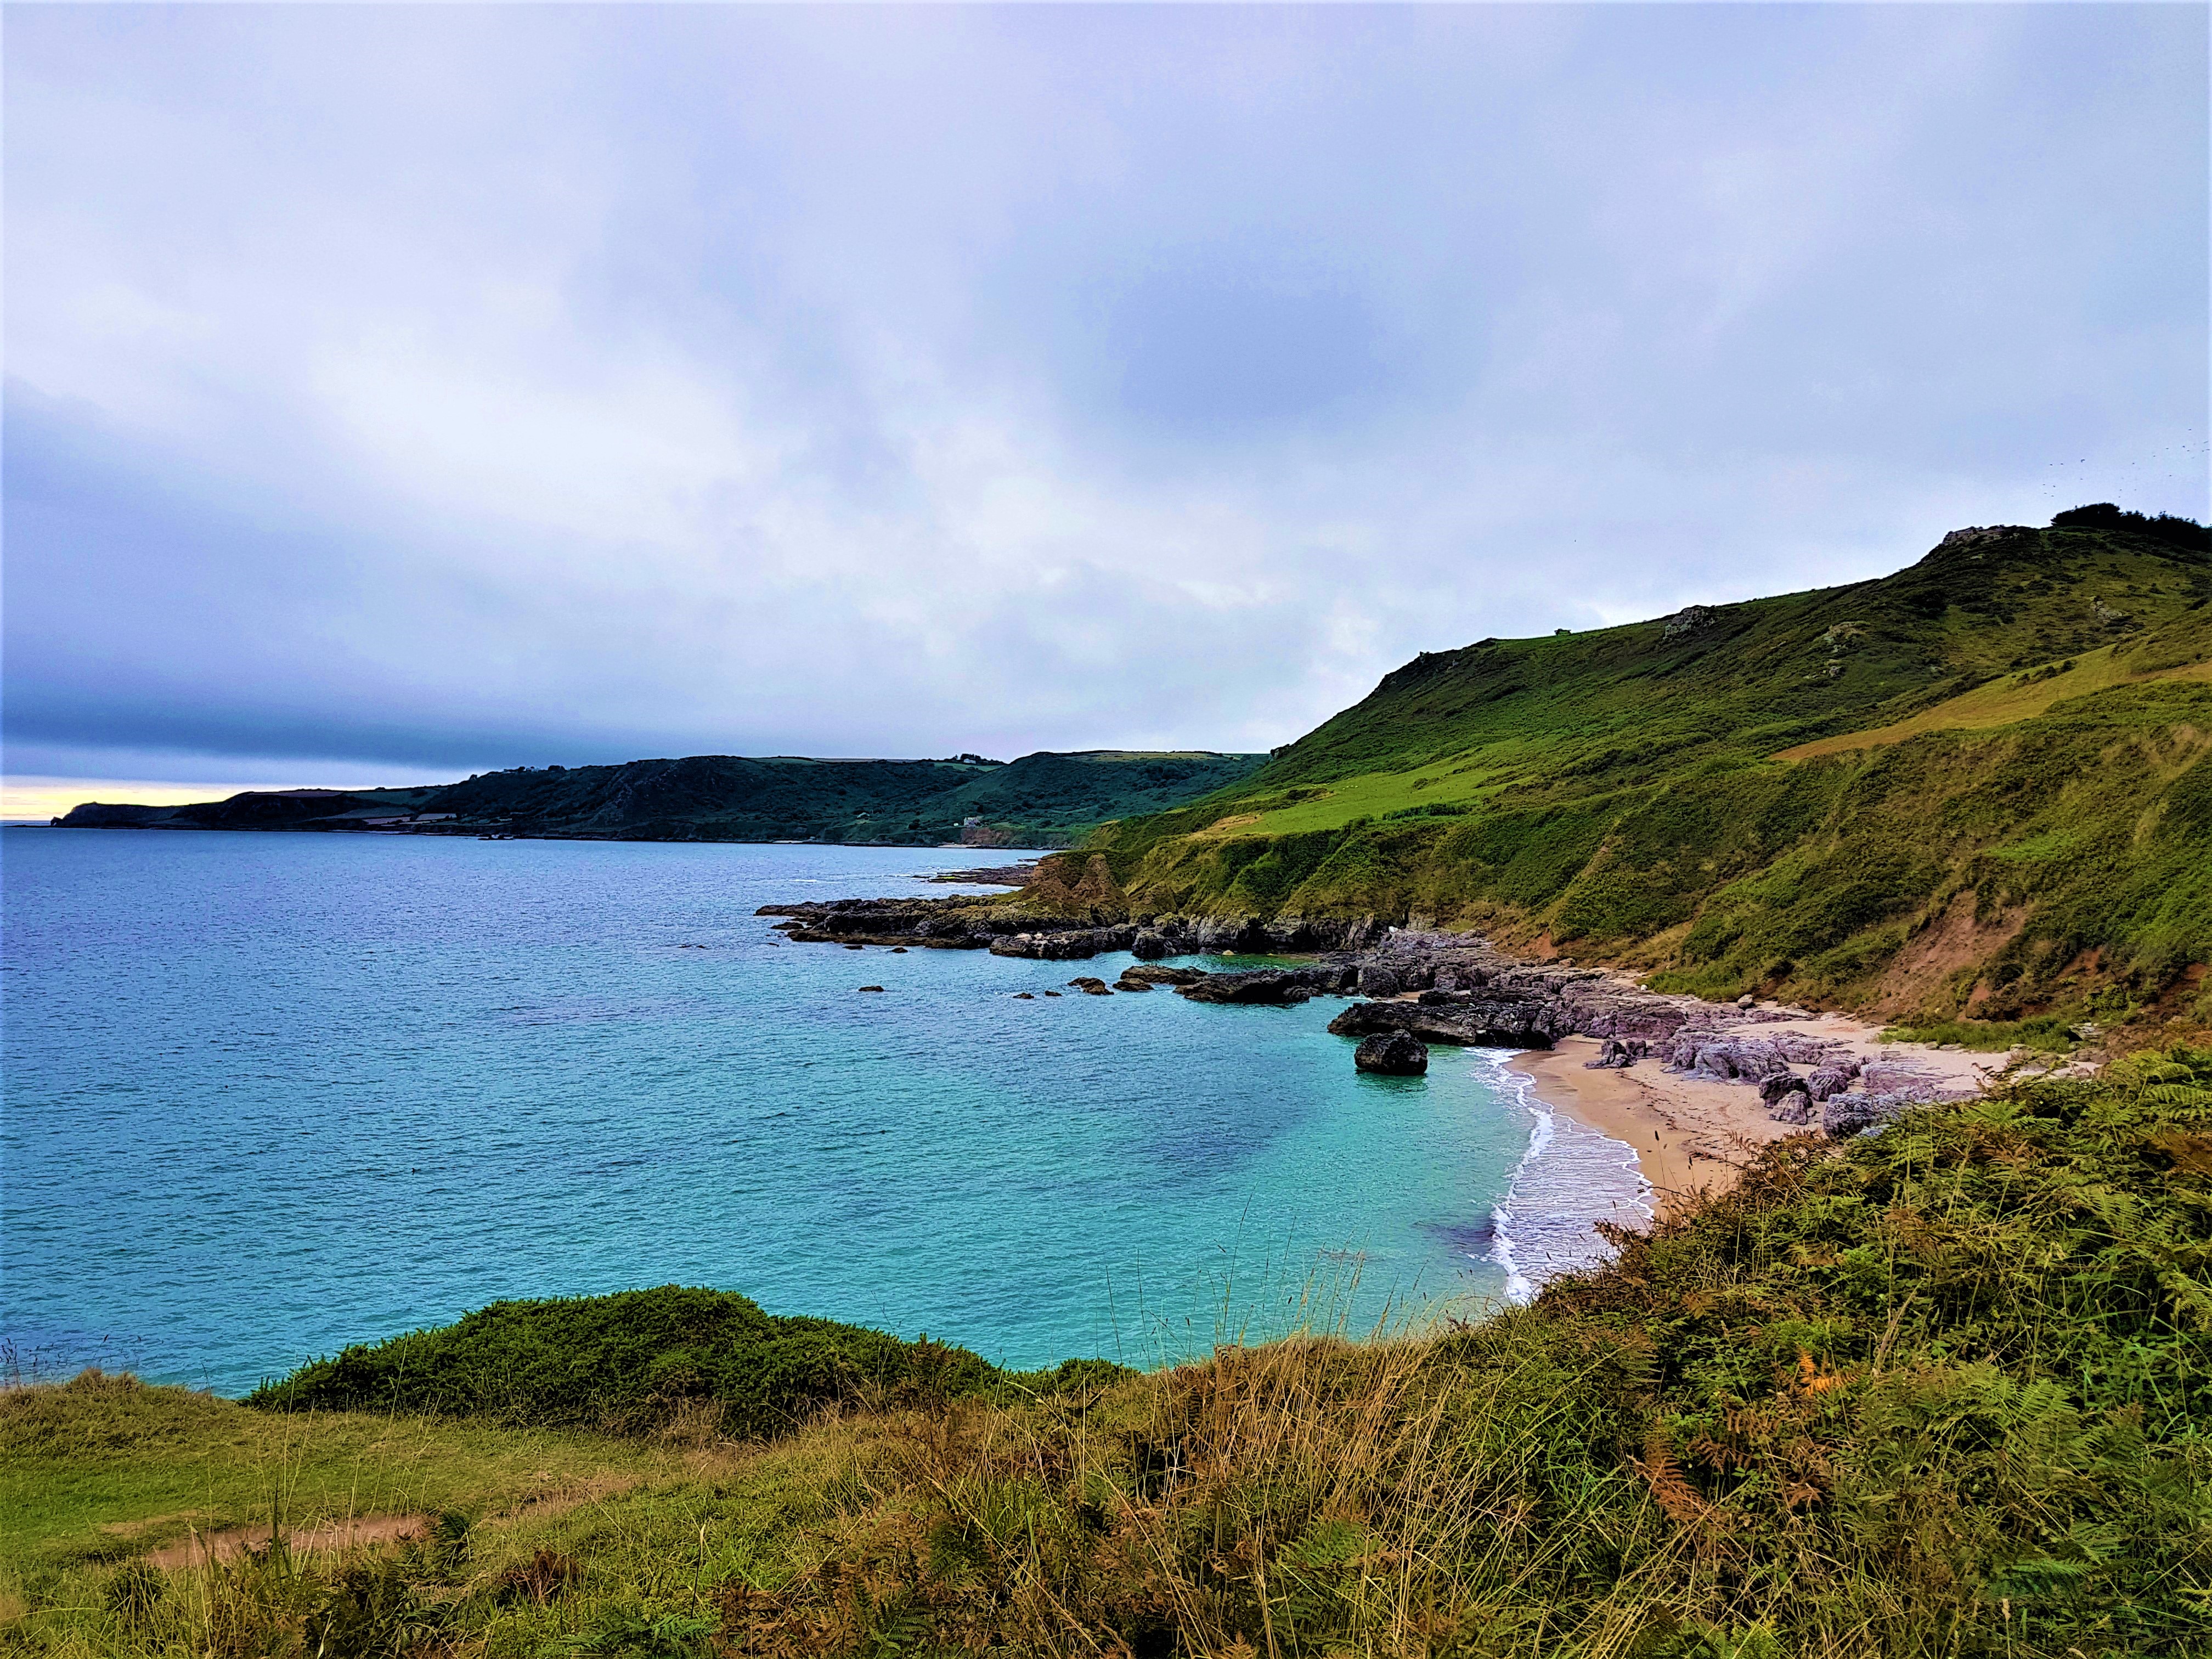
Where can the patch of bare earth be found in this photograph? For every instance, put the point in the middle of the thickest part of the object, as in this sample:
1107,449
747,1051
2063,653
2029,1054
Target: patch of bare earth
1953,941
228,1543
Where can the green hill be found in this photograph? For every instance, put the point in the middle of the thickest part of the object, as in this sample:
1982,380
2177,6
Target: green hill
1039,801
1979,785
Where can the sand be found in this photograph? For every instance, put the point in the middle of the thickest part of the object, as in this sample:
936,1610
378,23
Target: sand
1692,1135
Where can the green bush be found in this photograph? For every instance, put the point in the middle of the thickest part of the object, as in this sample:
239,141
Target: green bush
635,1359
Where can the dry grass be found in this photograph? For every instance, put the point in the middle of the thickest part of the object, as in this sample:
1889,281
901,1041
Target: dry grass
2005,702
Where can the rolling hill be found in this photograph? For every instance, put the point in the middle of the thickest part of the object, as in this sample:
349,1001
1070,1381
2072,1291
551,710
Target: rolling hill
1980,785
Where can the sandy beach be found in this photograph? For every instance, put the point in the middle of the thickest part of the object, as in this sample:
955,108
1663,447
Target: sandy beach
1693,1134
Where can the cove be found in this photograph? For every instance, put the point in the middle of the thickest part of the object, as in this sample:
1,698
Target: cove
270,1094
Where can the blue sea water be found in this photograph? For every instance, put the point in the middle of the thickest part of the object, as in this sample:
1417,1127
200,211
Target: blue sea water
266,1094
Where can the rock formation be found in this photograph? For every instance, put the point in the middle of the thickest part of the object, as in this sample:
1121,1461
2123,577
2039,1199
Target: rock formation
1420,985
1392,1053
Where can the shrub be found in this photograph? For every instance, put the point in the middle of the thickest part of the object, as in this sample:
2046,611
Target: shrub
634,1359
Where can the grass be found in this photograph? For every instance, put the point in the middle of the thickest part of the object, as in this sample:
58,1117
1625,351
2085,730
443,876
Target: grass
1944,1391
2047,1033
101,1469
2016,697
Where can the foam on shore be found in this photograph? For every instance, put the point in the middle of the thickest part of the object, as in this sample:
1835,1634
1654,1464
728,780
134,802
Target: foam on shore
1571,1178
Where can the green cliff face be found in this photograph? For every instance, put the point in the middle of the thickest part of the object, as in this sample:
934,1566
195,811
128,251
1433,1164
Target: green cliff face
1978,785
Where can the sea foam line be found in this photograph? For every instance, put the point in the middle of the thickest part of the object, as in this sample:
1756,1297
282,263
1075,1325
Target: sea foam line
1570,1178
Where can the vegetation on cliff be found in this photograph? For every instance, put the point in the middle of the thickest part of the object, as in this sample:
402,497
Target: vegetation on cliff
1981,785
1947,1390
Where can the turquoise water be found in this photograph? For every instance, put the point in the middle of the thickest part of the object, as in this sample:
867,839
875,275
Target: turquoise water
266,1094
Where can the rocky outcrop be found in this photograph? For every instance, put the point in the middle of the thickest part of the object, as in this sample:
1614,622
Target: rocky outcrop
1073,945
1791,1106
1422,987
1377,981
1845,1094
1279,986
1151,974
1057,923
1091,987
1392,1054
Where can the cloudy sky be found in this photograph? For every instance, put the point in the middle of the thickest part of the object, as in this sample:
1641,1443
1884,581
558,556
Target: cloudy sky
398,393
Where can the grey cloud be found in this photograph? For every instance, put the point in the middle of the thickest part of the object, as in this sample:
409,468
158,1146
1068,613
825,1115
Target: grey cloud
456,386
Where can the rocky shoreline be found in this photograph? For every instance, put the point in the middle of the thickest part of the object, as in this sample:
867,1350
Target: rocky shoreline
1427,987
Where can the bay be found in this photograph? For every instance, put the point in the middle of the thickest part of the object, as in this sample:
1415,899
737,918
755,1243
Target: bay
266,1094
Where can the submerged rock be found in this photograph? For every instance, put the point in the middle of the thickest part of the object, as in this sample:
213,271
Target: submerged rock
1392,1053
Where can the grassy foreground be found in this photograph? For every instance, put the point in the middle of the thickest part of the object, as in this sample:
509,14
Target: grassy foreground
1943,1391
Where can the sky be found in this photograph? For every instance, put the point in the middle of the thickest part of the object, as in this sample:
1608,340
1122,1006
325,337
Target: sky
397,392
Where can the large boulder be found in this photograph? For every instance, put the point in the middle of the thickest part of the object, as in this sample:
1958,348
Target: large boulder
1618,1054
1853,1112
1791,1106
1392,1054
1378,982
1149,946
1831,1079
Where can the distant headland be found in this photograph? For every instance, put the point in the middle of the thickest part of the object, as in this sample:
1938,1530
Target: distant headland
1040,800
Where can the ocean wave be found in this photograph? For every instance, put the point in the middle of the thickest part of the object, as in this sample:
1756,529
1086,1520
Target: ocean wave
1571,1178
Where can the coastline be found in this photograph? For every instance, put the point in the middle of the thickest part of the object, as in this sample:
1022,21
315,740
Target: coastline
1692,1135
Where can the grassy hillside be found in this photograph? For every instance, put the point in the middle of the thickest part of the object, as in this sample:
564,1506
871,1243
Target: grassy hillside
1980,785
1944,1391
1039,801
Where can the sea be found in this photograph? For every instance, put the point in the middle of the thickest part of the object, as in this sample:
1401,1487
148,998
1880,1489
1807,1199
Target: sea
262,1096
